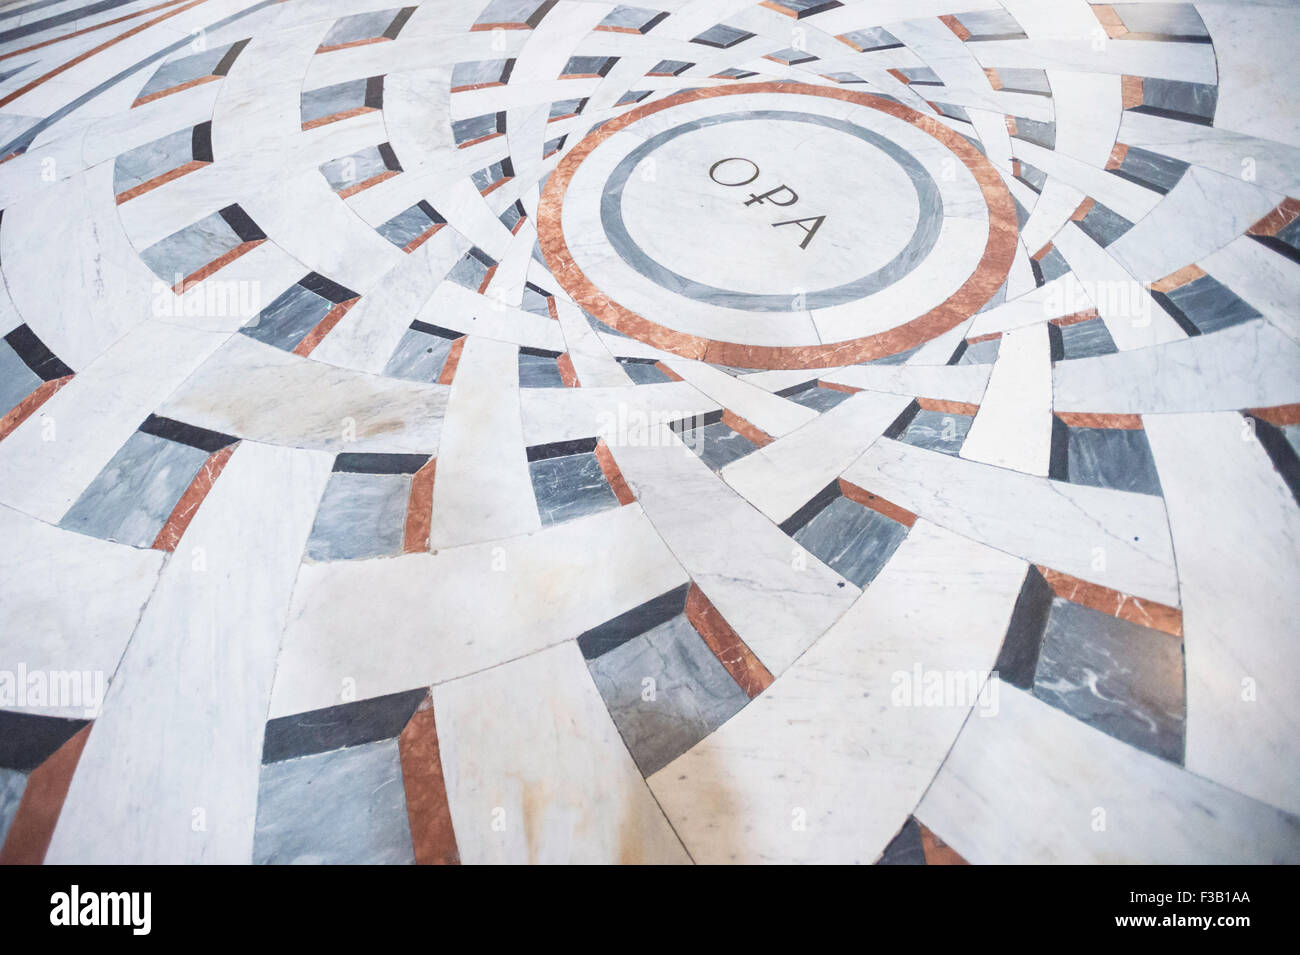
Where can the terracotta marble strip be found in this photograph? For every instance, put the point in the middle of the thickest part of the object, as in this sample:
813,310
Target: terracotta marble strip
991,336
568,374
1185,275
480,27
482,139
64,67
1012,129
38,811
609,467
419,510
1145,613
338,117
1277,220
162,180
216,265
955,25
550,307
1089,419
432,835
496,185
978,289
900,76
1117,155
1110,20
423,237
995,81
487,280
732,652
947,407
1081,212
365,184
672,375
25,408
174,529
188,84
745,429
476,86
1281,416
1086,315
835,386
324,327
1131,91
876,503
453,359
1041,253
938,852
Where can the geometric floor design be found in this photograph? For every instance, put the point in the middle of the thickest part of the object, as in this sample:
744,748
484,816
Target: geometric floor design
559,431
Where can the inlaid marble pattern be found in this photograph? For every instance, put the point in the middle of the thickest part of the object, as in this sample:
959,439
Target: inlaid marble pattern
564,431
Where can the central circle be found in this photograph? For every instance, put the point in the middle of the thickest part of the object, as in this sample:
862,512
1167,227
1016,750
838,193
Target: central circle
777,225
701,226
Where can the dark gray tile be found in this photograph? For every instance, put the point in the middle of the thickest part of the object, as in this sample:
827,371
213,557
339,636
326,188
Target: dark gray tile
1206,305
692,694
130,500
1104,225
360,516
570,486
346,807
1085,339
12,784
717,444
981,353
906,847
937,430
337,727
17,381
819,399
419,356
1116,458
855,541
539,371
1123,679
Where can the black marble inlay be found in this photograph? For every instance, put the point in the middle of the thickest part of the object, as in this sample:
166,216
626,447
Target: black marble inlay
617,631
27,740
337,727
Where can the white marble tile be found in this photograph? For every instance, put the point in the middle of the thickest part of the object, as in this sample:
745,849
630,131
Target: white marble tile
1013,428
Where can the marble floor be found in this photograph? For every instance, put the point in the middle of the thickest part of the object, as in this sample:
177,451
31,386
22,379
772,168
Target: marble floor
714,431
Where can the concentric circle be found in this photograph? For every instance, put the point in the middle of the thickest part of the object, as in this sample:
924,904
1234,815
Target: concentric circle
762,246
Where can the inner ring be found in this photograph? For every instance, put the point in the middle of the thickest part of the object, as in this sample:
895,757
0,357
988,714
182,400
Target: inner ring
921,242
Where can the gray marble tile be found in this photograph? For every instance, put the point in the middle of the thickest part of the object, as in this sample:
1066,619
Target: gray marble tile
819,399
539,371
1112,457
130,500
643,373
472,269
359,26
185,252
346,807
347,171
1292,434
12,784
418,356
570,486
855,541
981,353
692,693
407,225
17,381
183,69
872,38
476,72
287,320
1150,169
1193,101
633,18
670,67
1123,679
1036,132
991,24
1051,266
1163,19
717,444
566,107
722,36
477,127
360,516
508,11
937,430
898,358
1207,305
906,847
536,301
1104,225
1024,81
1085,339
139,165
336,98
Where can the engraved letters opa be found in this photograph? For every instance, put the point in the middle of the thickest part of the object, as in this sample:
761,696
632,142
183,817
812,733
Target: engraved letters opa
784,191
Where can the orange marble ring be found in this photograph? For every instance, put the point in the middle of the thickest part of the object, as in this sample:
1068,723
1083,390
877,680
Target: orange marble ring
982,284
